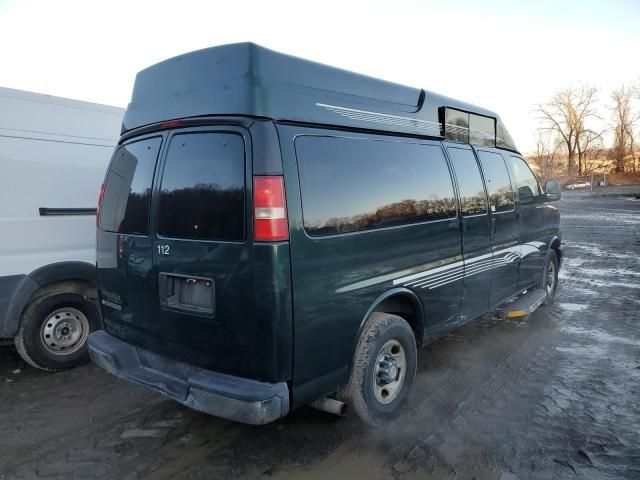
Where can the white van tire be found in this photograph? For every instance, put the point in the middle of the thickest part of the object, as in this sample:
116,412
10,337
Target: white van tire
384,336
54,329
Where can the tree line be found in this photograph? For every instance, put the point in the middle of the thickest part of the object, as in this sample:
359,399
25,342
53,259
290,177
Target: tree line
577,136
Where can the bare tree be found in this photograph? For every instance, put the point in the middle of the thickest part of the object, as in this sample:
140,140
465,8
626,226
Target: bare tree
624,122
566,114
547,154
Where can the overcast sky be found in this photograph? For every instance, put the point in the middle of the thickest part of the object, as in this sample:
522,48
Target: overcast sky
502,55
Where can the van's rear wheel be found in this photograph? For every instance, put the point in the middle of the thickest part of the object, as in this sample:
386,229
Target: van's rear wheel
384,369
54,329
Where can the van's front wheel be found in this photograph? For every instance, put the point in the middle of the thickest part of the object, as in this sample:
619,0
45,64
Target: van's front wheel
549,281
384,369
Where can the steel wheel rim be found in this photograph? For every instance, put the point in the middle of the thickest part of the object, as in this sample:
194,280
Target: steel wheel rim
64,331
551,278
389,372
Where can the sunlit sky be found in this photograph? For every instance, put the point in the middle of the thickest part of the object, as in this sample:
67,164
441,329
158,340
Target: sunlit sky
503,55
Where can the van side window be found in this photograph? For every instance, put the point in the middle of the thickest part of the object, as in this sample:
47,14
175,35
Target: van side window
467,127
352,184
482,130
203,187
456,125
473,198
127,188
528,187
496,176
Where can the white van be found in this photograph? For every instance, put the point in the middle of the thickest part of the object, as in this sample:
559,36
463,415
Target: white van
53,156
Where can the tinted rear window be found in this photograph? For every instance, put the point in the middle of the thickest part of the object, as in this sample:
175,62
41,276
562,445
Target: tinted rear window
127,189
355,184
203,187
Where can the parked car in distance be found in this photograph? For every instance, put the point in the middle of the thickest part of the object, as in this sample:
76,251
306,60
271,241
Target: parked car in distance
284,233
54,153
582,184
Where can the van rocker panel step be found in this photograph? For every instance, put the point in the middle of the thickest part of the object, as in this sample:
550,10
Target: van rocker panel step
524,305
234,398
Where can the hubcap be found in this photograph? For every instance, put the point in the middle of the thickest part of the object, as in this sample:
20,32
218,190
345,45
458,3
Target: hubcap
64,331
389,372
551,278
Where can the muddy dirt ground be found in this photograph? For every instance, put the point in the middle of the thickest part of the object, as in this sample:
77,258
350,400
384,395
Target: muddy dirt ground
553,396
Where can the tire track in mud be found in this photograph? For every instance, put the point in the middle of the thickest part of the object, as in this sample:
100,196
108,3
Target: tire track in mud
168,438
464,398
465,391
50,447
448,401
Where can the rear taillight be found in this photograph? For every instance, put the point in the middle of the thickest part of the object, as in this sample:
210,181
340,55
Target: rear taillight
269,209
100,195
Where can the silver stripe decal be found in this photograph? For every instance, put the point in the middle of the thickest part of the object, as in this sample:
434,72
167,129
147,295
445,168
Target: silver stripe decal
455,271
469,273
385,118
431,285
444,274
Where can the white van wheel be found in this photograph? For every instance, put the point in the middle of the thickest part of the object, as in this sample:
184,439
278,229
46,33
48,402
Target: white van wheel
64,331
54,329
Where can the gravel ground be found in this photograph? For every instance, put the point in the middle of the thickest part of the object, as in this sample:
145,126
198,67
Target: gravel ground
552,396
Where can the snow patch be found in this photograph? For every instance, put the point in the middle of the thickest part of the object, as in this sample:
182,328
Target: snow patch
601,335
573,307
596,250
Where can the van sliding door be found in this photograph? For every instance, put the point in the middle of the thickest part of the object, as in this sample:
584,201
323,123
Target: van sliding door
504,224
476,232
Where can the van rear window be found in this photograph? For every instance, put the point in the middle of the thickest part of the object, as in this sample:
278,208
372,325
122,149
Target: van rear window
203,187
357,184
127,188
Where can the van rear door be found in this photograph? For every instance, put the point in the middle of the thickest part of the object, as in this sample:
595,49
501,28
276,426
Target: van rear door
201,252
185,285
124,241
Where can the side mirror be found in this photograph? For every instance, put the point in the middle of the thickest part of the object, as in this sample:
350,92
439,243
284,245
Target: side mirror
552,190
525,195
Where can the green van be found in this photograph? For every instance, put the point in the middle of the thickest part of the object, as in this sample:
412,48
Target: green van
274,232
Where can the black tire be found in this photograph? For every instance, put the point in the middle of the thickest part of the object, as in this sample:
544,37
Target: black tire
380,329
551,263
31,335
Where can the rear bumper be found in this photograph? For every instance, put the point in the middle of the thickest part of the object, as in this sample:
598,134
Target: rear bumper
239,399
